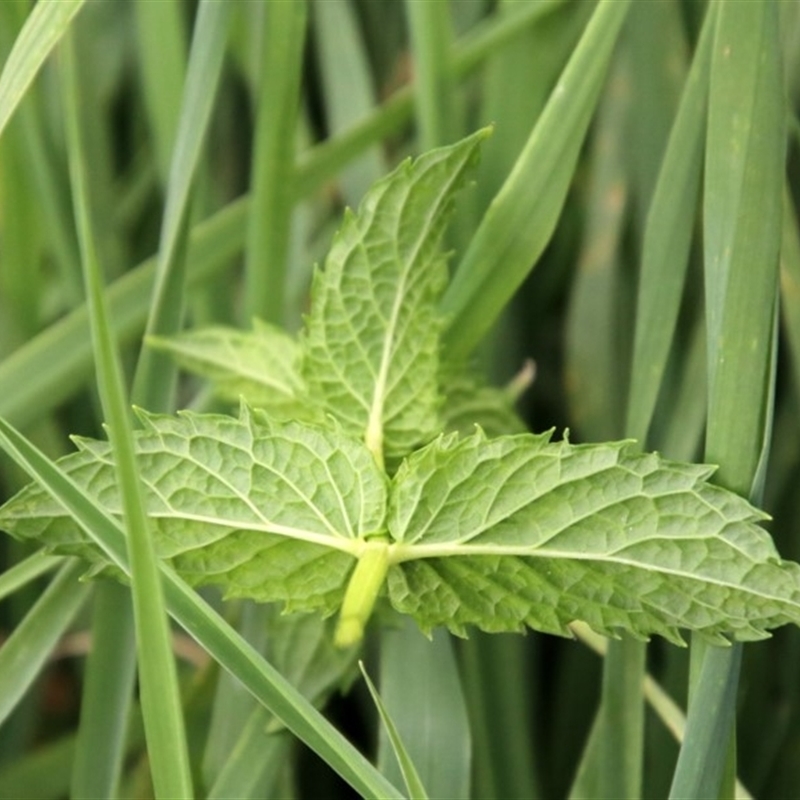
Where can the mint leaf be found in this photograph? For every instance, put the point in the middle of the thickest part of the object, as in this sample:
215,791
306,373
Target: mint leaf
372,337
469,401
262,365
521,531
268,510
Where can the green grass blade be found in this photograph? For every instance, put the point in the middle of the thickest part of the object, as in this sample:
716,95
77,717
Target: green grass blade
44,27
106,697
272,174
790,284
523,215
500,676
155,374
704,752
429,28
44,774
348,91
594,378
742,217
414,786
157,672
742,233
667,238
429,713
160,39
221,641
26,650
24,572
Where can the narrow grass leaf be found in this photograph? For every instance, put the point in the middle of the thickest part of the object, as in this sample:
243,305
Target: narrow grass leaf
742,228
221,641
429,714
523,215
26,650
46,24
108,687
272,172
595,320
50,367
160,39
157,674
27,570
429,28
154,381
667,238
348,92
790,284
414,786
742,214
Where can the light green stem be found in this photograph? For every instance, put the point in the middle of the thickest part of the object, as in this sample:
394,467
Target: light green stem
361,594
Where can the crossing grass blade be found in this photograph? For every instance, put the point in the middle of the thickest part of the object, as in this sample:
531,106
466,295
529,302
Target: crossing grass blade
155,374
161,704
523,215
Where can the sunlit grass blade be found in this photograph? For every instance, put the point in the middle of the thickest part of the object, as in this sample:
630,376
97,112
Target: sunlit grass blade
46,24
523,215
221,641
667,238
430,714
155,374
26,650
160,695
414,786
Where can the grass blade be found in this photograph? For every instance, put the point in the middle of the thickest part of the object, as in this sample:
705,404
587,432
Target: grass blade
416,790
430,713
272,174
157,672
46,24
667,238
742,214
26,571
429,27
24,652
155,374
523,215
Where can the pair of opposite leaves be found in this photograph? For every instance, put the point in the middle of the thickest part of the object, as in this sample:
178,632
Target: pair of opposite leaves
293,502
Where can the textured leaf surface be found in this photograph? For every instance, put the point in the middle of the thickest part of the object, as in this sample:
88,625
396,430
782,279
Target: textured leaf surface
262,365
551,532
372,338
272,511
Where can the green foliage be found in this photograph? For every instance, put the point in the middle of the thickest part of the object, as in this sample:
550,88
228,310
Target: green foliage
500,533
357,450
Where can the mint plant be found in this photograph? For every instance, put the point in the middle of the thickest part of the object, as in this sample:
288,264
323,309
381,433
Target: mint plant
348,474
